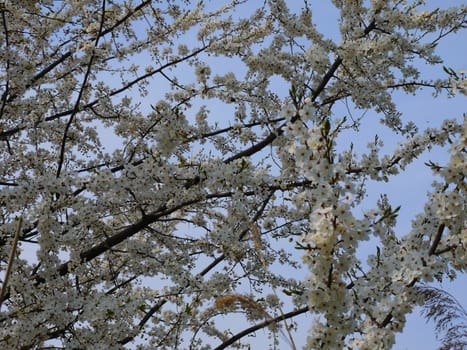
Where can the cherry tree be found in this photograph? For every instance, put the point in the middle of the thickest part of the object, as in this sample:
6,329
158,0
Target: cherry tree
174,174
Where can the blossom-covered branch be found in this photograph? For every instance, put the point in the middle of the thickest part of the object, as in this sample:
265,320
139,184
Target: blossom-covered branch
180,165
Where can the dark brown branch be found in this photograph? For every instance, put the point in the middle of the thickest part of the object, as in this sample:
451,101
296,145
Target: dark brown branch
7,65
145,319
261,325
329,74
257,147
273,135
80,95
121,236
437,239
11,258
4,183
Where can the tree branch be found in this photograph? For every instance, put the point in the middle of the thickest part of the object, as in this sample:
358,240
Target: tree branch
261,325
437,239
10,260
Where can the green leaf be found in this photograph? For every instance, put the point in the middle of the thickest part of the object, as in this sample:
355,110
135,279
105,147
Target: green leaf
326,127
397,209
292,92
291,292
109,313
243,165
450,72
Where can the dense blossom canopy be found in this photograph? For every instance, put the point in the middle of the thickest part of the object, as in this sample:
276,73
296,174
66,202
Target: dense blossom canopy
163,162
